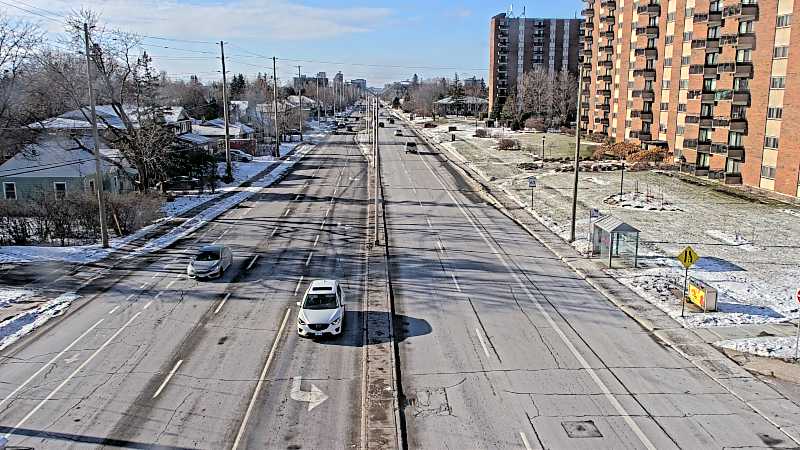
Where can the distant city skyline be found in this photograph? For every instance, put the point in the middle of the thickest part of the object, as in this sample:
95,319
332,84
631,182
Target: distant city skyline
380,41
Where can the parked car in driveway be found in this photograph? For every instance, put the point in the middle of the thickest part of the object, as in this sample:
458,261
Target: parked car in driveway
238,155
322,309
210,261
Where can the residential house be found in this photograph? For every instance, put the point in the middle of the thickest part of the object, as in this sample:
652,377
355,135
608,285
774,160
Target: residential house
468,106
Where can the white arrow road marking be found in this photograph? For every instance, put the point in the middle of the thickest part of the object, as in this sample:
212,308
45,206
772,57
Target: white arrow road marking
73,358
314,397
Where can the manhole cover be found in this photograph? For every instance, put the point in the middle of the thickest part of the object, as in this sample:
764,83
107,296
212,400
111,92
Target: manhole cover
581,429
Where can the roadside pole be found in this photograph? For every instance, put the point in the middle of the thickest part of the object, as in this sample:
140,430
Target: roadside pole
688,257
377,170
683,297
319,117
797,339
228,167
275,98
577,157
98,175
300,96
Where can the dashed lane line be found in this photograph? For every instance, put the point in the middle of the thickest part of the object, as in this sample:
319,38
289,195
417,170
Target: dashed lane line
169,377
222,303
483,344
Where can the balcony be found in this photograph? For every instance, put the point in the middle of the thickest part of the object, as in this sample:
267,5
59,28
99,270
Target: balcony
703,146
712,44
601,120
587,52
645,116
726,68
607,34
588,65
585,106
690,143
589,12
649,31
698,43
741,98
708,97
746,41
607,48
587,79
605,78
719,148
720,122
729,39
732,178
604,107
652,10
692,119
738,125
648,95
736,152
696,69
749,10
606,63
710,71
589,25
648,74
643,136
604,92
610,4
714,17
706,121
744,70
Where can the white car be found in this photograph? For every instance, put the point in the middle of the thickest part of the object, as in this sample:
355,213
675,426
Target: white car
210,261
322,309
238,155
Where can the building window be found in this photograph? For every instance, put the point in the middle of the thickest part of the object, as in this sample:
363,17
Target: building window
630,103
685,60
784,20
744,56
664,84
667,62
680,130
770,142
60,189
687,36
774,112
746,27
681,107
662,128
669,39
713,33
683,84
704,135
741,84
689,13
768,172
780,52
734,139
777,83
10,191
664,106
627,124
703,160
712,58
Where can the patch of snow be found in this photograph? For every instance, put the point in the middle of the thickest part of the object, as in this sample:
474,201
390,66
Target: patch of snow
597,181
20,325
771,347
640,200
792,212
13,295
732,239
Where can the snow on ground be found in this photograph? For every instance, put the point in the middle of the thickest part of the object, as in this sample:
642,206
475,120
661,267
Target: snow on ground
18,326
748,249
91,253
13,295
771,347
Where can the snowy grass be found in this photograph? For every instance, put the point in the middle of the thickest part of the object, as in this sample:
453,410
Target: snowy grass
771,347
20,325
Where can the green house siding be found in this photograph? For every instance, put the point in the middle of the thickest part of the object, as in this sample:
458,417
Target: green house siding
29,188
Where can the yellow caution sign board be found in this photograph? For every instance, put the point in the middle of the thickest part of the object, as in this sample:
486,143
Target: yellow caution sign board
688,257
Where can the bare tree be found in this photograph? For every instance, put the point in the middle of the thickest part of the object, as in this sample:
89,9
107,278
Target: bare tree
536,92
565,97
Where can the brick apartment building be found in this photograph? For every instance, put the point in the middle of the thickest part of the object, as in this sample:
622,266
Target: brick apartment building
714,81
518,45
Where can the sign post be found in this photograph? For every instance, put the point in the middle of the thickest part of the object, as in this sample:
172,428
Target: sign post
797,340
688,257
531,184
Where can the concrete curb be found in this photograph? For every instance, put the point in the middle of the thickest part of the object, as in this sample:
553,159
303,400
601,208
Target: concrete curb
740,383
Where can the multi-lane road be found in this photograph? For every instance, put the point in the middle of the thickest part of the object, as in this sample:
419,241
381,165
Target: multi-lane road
500,344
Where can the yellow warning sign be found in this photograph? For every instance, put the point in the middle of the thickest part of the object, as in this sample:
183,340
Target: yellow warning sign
688,257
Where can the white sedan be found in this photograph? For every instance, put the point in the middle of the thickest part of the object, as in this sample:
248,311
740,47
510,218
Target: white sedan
322,309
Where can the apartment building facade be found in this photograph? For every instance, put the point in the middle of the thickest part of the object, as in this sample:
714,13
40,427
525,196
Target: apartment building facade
518,45
707,79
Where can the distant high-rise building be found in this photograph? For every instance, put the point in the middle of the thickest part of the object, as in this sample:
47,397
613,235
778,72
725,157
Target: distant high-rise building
359,83
519,45
338,79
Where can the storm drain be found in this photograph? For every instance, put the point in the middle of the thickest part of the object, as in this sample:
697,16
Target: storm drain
581,429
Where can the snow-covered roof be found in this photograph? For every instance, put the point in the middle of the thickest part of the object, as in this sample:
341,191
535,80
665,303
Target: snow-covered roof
295,100
106,117
174,114
466,100
57,158
216,127
194,138
613,224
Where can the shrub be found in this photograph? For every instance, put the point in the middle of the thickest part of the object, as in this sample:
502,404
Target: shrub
508,144
131,212
15,223
534,123
481,133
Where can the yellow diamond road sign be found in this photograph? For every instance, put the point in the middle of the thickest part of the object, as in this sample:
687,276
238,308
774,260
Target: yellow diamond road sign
688,257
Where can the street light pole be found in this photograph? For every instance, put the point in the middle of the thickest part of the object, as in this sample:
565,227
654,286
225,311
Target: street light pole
577,157
98,176
275,98
300,96
228,167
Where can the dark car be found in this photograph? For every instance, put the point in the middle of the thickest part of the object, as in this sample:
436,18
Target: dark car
411,147
380,124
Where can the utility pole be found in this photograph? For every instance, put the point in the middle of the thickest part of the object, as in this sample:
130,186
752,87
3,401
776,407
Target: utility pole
300,96
319,117
275,98
228,168
98,176
577,156
334,98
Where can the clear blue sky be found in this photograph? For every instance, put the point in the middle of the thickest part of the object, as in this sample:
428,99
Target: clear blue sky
409,33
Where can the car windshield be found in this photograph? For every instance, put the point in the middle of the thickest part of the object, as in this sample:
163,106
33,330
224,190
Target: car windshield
320,301
207,255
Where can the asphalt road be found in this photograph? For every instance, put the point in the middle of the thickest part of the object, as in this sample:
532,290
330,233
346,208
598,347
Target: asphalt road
162,361
503,346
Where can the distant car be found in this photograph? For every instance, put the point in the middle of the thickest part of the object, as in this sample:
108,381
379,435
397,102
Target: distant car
182,183
238,155
380,124
411,147
322,309
398,132
391,121
210,261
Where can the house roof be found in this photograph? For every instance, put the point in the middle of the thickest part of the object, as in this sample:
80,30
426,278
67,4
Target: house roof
57,158
216,127
194,138
469,100
106,117
613,224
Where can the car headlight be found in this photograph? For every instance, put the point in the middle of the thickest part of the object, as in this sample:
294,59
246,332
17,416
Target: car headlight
337,321
301,321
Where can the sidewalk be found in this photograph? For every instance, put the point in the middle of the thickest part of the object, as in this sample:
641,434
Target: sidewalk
766,400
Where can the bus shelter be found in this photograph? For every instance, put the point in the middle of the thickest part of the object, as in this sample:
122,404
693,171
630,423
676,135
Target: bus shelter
613,238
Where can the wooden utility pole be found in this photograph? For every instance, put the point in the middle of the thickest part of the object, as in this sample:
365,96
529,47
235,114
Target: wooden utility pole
98,175
275,98
228,167
577,156
300,96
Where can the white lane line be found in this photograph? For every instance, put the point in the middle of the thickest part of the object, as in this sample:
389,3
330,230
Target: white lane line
297,197
169,377
169,285
158,295
483,344
155,275
322,225
308,260
334,192
253,261
143,286
455,281
222,303
274,230
327,212
113,310
148,304
525,441
427,219
297,288
585,364
46,365
71,375
286,213
439,244
261,378
316,239
130,297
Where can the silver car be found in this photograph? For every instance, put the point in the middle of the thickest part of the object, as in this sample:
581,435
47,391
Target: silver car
210,261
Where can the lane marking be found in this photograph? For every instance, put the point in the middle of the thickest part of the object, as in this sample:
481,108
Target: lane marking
71,375
113,310
297,197
585,364
274,230
455,281
222,303
296,288
322,225
483,344
48,363
525,441
427,219
148,304
154,275
286,213
261,378
169,285
128,298
143,286
316,239
169,377
308,260
253,261
327,212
